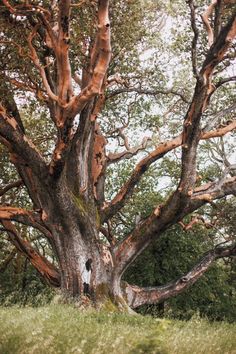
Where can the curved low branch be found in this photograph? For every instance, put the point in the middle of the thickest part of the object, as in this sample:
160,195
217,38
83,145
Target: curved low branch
47,270
138,296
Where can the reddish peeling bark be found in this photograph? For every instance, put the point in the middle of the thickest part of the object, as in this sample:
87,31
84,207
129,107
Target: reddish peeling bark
68,202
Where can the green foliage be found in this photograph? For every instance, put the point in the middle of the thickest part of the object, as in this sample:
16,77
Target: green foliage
62,329
21,285
152,59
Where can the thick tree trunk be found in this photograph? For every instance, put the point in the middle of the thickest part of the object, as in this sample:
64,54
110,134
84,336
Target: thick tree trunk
69,205
86,264
86,268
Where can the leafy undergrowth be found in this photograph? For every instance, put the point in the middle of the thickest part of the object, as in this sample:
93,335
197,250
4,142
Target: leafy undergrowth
63,329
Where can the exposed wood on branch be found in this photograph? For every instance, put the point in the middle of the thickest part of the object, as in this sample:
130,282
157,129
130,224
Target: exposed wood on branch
102,53
196,219
215,190
205,17
64,79
94,88
8,212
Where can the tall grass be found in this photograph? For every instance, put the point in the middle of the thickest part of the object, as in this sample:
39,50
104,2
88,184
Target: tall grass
63,329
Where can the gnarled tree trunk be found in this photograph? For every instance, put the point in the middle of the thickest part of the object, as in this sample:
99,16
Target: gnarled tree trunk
67,194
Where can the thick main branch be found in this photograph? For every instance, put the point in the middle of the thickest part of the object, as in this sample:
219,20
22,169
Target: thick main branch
164,217
93,88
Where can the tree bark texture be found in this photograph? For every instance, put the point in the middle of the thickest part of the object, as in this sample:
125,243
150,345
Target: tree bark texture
67,194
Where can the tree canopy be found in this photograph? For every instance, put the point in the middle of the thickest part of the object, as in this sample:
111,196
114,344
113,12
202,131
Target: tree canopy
104,106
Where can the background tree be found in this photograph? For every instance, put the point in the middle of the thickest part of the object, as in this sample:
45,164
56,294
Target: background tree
57,67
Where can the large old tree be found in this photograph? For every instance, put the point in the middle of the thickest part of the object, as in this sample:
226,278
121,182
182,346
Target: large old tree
74,77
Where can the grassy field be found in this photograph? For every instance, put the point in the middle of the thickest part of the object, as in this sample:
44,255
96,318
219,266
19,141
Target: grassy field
63,329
